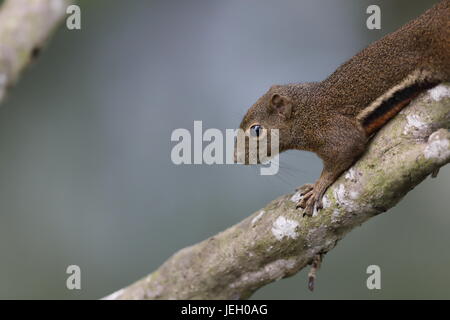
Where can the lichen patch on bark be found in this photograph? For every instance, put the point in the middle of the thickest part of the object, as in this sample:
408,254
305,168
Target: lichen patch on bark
283,227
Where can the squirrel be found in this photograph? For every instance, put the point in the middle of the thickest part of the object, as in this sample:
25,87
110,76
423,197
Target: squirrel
336,118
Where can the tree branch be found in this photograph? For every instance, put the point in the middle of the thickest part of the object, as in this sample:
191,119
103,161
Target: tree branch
24,27
276,241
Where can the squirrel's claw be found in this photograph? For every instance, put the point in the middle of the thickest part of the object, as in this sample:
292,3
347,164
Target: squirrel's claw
304,199
319,203
309,206
310,198
304,189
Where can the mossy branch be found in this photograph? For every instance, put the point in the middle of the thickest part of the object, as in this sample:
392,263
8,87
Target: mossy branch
276,241
25,25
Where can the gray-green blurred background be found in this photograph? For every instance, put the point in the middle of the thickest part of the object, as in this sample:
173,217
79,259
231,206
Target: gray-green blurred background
85,170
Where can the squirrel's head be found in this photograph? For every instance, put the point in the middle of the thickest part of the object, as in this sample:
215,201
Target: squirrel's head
276,109
272,111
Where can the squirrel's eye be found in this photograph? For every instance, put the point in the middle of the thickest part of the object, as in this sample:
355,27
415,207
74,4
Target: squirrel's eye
255,130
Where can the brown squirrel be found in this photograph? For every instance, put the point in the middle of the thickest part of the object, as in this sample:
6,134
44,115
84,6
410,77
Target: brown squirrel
336,117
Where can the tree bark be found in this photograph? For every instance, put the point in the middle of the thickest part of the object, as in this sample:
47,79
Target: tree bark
24,27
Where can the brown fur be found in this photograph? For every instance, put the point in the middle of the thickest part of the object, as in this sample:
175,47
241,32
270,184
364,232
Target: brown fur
335,117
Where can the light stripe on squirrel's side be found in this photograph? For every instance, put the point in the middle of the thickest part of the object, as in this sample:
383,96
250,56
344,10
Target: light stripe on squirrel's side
394,100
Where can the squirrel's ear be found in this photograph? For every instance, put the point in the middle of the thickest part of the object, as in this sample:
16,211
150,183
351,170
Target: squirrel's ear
281,104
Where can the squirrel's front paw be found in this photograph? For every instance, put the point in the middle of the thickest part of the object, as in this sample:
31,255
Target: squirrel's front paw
309,199
304,189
